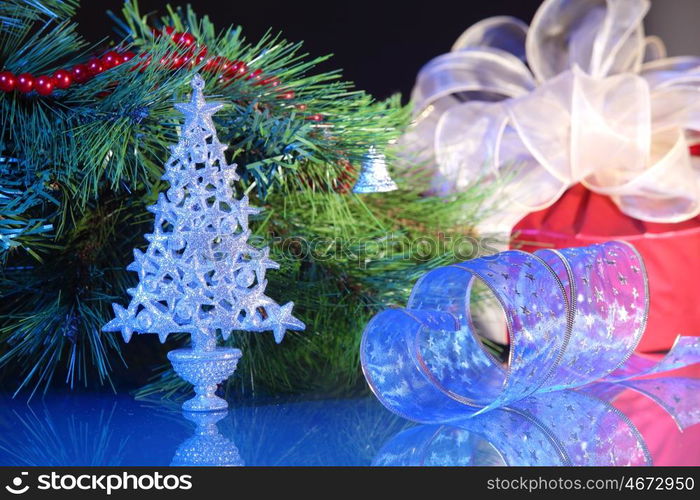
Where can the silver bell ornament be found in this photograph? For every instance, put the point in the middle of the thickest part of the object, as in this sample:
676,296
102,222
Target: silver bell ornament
374,176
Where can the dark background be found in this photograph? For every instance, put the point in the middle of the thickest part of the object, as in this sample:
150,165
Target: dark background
381,45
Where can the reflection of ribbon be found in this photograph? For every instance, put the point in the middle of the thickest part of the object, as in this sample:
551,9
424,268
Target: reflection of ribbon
579,96
574,316
558,428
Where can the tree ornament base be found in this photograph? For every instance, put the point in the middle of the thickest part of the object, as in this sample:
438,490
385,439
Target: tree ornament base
207,447
204,370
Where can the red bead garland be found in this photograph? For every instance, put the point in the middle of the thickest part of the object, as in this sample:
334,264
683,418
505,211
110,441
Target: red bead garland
110,59
7,81
94,66
80,73
44,85
63,79
255,76
185,39
25,83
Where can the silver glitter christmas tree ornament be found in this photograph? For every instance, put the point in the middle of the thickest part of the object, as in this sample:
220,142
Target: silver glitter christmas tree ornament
374,176
199,274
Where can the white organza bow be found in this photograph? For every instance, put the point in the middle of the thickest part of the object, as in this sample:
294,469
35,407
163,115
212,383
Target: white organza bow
580,96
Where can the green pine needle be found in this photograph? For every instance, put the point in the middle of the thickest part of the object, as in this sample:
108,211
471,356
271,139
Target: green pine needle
79,168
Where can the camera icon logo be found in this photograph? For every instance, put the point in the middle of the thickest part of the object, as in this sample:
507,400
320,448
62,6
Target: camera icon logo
16,487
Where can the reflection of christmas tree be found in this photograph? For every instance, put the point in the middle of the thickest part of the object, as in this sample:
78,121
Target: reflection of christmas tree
199,274
207,447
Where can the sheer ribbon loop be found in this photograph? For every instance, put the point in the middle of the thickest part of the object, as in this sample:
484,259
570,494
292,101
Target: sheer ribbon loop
574,316
581,96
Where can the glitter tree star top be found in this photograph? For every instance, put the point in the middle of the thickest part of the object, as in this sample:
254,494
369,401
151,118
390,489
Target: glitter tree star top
199,274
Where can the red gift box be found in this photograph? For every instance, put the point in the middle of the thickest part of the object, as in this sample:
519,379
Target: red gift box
671,254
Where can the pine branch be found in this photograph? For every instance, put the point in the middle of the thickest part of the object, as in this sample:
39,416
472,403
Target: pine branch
89,159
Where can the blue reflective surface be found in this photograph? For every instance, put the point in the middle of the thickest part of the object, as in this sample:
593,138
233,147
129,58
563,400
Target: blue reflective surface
107,429
104,429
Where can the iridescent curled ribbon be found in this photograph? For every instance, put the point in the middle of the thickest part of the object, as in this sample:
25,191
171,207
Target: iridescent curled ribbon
574,316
